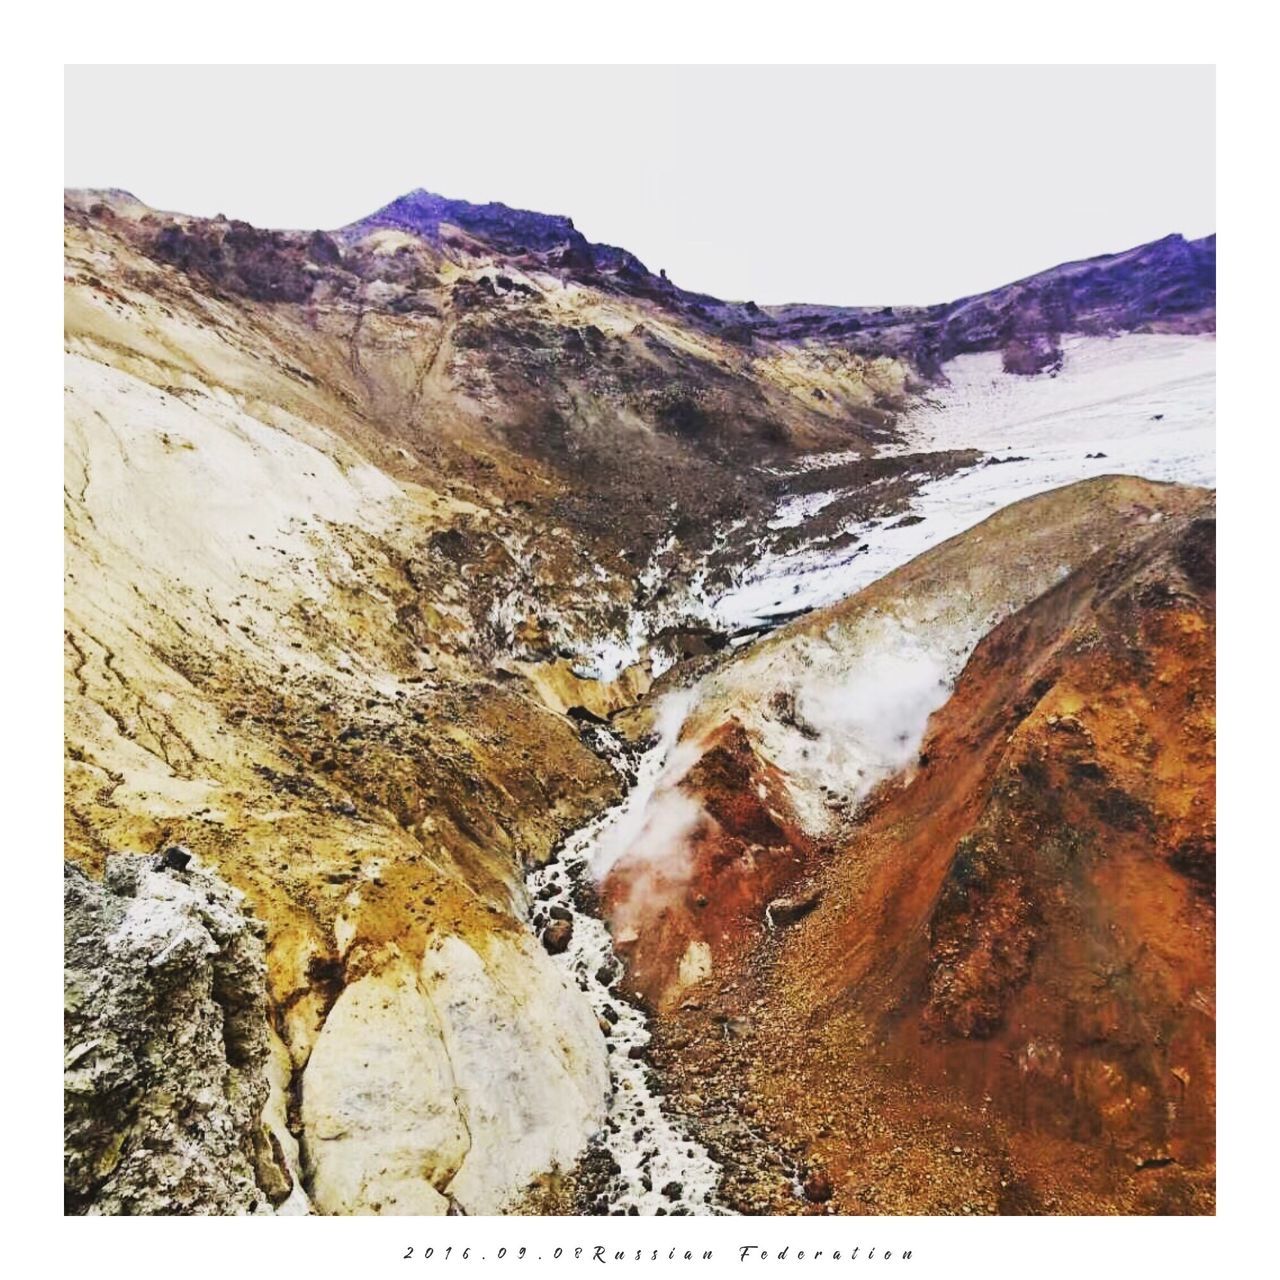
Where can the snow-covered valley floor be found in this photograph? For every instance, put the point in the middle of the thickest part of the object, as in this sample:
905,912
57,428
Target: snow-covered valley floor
1139,404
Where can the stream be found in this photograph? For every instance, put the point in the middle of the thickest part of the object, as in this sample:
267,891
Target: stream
654,1167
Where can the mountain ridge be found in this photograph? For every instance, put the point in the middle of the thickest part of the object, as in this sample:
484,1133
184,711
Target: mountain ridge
1080,295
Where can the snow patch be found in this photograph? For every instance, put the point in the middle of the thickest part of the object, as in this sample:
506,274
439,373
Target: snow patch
1140,404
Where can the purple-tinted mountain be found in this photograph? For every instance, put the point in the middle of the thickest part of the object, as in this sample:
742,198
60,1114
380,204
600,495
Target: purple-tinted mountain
385,546
542,238
1166,286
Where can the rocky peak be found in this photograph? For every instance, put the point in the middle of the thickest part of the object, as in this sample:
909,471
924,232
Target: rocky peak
423,213
507,231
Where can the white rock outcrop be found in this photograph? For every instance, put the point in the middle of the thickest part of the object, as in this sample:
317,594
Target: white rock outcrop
379,1112
454,1083
528,1059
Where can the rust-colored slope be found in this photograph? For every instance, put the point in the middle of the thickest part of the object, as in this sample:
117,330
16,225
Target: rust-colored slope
1004,999
718,848
784,743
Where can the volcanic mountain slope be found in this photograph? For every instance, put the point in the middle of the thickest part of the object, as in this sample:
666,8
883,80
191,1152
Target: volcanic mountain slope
499,352
1167,286
363,530
525,380
968,965
276,656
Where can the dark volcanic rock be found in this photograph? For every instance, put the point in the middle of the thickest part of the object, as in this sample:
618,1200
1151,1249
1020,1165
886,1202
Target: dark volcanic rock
557,936
516,232
784,911
1168,285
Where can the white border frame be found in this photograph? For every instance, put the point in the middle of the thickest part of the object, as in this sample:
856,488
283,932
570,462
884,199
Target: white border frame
688,32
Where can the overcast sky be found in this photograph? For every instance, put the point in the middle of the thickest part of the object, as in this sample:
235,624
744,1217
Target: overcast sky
782,184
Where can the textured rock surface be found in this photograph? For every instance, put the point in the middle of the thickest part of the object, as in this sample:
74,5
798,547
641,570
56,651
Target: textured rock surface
276,654
528,1059
166,1046
1167,286
364,530
379,1111
459,1081
782,746
1003,1000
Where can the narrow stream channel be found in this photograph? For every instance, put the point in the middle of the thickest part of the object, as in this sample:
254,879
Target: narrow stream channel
654,1166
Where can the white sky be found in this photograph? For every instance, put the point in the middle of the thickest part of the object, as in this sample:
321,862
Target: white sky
864,185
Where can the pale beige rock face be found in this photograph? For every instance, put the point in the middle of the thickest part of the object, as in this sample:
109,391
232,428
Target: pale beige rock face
275,1118
460,1080
562,690
695,965
526,1054
237,595
381,1123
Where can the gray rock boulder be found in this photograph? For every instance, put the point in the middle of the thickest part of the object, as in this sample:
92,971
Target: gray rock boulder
166,1044
785,911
